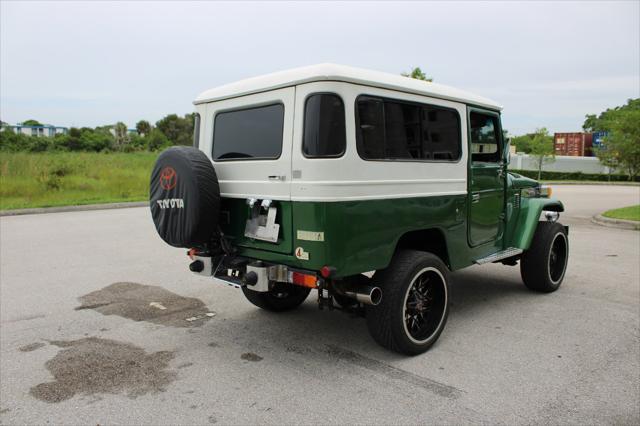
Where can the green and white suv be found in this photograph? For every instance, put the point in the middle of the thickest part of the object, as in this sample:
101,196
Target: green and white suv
367,187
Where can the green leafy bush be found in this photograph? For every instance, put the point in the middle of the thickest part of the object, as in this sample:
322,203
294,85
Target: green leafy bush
157,140
578,176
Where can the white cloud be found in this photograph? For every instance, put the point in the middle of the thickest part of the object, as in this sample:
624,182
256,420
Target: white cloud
87,63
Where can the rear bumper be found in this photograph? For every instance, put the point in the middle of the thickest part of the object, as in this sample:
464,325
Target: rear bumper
257,275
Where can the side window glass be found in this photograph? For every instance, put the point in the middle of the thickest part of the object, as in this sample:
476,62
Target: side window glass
371,128
324,126
485,140
397,130
402,125
440,133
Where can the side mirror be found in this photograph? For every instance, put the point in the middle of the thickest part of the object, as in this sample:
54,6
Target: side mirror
506,153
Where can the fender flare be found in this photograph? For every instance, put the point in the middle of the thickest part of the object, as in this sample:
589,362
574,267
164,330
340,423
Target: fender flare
528,218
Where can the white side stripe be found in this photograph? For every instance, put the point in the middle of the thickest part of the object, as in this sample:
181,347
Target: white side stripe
348,198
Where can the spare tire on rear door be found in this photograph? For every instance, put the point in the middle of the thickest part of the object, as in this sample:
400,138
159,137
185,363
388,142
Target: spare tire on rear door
184,197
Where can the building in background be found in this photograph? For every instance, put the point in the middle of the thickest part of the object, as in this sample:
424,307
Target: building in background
112,130
575,144
598,139
46,130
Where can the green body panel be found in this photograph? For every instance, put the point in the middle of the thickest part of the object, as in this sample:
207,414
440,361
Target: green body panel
517,182
523,219
486,181
362,236
526,219
486,219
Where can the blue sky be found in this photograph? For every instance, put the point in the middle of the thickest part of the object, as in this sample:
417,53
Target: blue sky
93,63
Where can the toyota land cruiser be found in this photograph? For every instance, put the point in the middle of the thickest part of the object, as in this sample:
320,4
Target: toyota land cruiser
367,187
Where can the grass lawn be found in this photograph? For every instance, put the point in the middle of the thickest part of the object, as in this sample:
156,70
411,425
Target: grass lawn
627,213
57,179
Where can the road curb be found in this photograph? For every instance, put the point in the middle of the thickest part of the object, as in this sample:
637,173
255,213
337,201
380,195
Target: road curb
616,223
61,209
602,183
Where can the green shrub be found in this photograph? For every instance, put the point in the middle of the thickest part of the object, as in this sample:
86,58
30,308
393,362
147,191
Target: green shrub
157,140
579,176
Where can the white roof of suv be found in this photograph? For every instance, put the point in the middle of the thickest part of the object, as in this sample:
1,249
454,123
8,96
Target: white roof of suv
333,72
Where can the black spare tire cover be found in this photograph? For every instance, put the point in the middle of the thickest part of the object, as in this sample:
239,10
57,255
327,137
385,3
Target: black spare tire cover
184,197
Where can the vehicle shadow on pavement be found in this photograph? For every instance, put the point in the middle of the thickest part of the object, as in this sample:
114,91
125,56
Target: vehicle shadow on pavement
480,289
472,291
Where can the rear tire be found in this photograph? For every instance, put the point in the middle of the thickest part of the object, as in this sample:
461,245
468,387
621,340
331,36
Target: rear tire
415,303
283,297
544,264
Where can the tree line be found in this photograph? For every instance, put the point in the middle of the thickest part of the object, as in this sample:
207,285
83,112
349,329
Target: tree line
170,130
621,147
620,151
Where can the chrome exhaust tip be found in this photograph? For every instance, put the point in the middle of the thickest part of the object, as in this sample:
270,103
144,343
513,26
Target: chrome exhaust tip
366,294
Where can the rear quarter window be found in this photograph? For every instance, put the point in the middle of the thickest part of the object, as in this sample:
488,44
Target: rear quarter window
324,126
248,133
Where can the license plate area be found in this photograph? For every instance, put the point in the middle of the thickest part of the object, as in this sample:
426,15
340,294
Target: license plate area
261,224
242,225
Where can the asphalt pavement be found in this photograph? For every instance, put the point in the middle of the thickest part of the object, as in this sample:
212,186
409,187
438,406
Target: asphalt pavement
102,323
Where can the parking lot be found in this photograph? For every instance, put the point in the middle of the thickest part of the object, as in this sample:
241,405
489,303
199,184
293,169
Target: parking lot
102,323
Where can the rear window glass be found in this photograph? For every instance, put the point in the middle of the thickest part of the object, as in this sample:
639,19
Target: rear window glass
324,129
251,133
396,130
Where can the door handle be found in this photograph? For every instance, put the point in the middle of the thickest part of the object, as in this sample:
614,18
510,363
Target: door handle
475,198
277,177
500,173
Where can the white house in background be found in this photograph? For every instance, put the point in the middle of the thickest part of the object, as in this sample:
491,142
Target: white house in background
46,130
112,130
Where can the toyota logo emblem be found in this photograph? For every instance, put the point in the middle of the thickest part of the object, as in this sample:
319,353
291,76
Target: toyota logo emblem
168,178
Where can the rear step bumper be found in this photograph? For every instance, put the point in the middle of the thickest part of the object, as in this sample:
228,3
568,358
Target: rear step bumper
253,274
258,276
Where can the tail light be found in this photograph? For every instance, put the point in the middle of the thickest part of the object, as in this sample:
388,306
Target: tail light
304,280
327,271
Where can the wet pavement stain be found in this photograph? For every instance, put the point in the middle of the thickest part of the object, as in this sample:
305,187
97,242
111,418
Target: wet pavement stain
25,318
140,302
250,356
92,366
31,347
